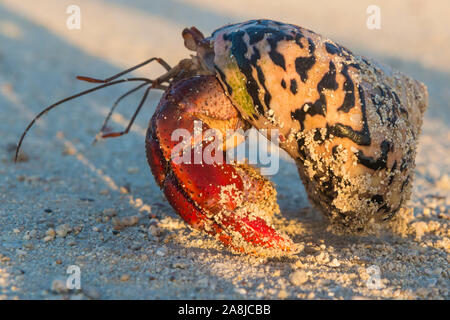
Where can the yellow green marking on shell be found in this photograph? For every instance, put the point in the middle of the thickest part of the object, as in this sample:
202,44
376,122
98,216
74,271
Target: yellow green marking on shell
239,94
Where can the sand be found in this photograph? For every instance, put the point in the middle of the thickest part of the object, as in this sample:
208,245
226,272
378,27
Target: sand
97,207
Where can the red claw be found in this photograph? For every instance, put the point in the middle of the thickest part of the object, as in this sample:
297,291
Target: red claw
232,202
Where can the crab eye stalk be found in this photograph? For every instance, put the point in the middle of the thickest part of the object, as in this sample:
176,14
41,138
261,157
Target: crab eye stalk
192,38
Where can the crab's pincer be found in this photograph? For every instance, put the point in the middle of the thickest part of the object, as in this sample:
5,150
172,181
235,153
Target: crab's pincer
230,201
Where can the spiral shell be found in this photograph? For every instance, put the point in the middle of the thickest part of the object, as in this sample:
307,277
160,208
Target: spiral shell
351,124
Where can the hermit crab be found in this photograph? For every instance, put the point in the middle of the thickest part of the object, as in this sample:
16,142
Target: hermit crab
350,124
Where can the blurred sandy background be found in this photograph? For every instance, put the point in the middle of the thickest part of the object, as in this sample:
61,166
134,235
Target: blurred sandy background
59,206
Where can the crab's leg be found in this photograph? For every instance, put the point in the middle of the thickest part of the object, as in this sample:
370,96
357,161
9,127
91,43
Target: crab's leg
227,200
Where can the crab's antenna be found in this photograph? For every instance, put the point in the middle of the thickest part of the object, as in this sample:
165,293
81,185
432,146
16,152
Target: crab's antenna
94,80
40,114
